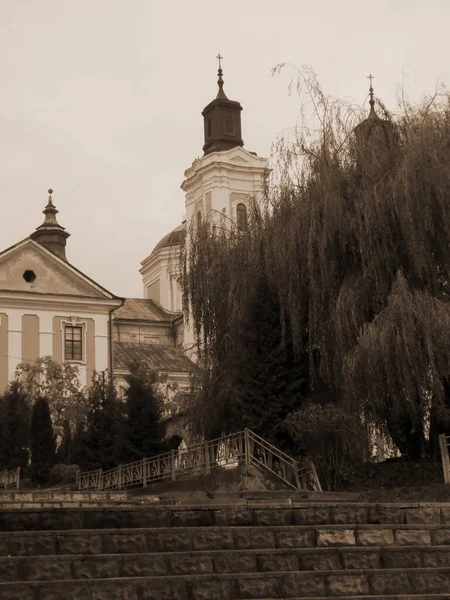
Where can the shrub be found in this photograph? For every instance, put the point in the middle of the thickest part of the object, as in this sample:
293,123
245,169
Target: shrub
64,474
335,440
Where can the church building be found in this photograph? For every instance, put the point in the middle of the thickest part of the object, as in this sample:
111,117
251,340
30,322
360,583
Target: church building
50,308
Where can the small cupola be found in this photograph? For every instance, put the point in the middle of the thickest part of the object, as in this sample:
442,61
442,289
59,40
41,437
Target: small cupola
222,121
373,129
51,234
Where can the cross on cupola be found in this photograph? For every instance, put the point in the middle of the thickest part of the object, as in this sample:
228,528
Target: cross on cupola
222,120
372,99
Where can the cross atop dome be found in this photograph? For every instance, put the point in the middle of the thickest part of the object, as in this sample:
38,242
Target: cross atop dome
220,93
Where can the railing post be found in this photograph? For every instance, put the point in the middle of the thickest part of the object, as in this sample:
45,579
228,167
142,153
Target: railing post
100,475
207,462
312,466
172,463
119,477
18,477
247,447
444,457
144,474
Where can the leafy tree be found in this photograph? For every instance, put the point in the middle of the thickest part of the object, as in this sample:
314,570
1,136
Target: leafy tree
14,428
59,383
143,431
42,442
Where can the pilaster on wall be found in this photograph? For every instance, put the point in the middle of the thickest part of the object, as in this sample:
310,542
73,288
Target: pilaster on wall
30,338
14,341
3,351
45,334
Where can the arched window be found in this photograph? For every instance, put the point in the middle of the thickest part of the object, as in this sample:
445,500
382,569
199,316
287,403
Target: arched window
241,217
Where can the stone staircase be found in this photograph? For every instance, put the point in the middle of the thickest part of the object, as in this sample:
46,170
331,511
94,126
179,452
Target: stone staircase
119,547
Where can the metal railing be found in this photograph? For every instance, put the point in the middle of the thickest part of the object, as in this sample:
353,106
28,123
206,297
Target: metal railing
10,479
229,451
444,444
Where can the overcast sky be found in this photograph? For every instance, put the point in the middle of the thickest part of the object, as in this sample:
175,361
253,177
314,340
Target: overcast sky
101,100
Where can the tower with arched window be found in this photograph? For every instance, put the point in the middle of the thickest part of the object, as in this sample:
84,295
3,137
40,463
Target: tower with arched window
222,184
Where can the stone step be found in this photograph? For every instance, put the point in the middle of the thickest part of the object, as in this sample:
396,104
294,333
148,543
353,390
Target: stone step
60,496
372,597
243,512
67,504
287,585
102,566
182,539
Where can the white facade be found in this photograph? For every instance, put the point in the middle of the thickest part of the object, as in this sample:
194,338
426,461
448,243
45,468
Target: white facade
36,316
216,183
159,277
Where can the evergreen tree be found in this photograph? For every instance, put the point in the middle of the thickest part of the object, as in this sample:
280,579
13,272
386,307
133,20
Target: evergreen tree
100,434
272,380
14,428
144,432
42,442
78,447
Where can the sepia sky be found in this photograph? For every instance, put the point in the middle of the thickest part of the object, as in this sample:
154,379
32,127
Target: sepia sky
101,100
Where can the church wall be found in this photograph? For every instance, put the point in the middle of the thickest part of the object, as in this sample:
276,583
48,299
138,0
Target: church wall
3,351
179,333
158,284
26,335
149,333
153,291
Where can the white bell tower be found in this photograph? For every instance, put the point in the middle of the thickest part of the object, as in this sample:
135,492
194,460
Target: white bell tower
227,178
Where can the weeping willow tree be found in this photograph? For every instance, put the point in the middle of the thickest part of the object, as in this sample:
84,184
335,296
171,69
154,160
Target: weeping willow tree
352,249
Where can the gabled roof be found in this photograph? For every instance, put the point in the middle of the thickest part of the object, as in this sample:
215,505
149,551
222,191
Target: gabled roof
161,358
142,309
59,263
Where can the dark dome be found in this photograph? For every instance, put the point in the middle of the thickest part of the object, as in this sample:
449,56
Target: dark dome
174,238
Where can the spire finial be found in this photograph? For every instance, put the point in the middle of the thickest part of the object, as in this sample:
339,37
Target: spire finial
371,94
220,93
50,210
51,234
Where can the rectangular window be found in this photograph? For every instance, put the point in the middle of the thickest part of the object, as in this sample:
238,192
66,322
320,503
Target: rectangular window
73,343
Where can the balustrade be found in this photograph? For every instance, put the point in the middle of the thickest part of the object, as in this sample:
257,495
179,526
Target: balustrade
229,451
10,479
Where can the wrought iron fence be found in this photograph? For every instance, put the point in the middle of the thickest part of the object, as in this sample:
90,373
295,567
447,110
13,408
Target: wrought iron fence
225,452
9,479
444,443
